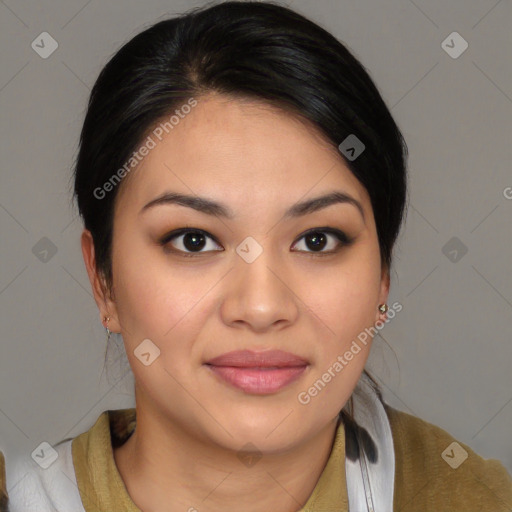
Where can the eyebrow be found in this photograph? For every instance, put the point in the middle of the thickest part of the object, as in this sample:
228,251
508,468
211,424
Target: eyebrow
210,207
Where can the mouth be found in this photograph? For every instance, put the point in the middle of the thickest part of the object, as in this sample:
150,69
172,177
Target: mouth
259,373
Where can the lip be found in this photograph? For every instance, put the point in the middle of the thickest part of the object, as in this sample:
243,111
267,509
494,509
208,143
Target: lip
259,373
251,359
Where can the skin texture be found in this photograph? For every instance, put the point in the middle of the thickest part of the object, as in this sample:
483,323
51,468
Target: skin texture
258,161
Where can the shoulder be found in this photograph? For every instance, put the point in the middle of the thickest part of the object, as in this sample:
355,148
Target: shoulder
46,485
434,471
52,479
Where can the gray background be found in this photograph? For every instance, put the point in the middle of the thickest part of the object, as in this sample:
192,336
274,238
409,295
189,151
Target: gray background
448,352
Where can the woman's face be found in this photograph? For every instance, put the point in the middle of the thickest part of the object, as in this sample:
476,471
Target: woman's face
251,280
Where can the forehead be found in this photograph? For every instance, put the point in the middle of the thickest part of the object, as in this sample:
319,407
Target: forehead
236,149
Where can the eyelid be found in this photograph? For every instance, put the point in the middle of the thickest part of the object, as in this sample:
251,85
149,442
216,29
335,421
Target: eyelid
166,239
338,233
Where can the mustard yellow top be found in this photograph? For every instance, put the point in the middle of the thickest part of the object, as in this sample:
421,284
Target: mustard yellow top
101,486
424,481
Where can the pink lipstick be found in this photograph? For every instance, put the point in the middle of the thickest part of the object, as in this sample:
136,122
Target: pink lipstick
258,373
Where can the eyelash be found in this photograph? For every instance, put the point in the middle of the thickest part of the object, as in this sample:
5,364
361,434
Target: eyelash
342,237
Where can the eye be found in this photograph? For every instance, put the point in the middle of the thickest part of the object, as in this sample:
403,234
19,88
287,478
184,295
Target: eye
193,242
320,238
189,241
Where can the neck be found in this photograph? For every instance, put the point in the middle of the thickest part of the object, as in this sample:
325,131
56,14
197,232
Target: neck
164,463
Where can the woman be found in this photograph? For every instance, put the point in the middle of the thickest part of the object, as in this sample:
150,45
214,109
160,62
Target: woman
242,184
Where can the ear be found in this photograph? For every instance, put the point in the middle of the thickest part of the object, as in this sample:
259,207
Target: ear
106,305
384,292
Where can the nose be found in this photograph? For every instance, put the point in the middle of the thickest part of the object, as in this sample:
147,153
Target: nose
260,295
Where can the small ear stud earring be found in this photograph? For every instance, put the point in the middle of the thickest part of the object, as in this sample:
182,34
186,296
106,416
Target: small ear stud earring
105,320
383,308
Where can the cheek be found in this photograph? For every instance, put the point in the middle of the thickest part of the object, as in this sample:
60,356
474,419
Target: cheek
345,298
343,313
157,301
140,296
